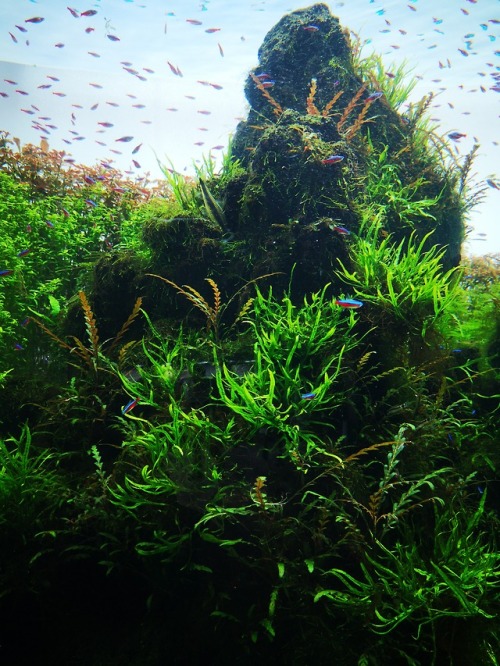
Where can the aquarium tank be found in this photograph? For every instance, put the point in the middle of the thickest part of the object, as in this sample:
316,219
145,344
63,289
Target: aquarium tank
250,412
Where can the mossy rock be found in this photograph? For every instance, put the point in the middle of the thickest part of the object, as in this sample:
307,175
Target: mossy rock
308,103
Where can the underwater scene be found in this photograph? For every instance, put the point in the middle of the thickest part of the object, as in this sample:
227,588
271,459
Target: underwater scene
251,413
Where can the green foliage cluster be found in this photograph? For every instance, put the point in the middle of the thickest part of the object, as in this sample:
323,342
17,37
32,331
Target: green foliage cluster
260,472
404,280
310,482
57,220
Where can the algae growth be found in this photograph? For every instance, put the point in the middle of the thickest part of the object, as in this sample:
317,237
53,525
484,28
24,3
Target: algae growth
255,416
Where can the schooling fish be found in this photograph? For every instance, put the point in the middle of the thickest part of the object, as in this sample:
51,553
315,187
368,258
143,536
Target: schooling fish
307,396
348,303
374,96
341,230
130,406
333,159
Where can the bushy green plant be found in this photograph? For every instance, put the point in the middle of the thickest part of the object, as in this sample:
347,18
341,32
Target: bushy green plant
298,363
405,281
473,320
396,203
169,471
406,583
33,495
30,484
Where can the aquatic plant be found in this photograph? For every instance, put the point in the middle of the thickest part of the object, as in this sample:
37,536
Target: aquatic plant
170,468
395,81
404,280
398,204
93,354
403,583
298,362
213,313
84,404
33,494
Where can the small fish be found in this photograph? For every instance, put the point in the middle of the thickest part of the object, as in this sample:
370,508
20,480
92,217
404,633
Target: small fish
89,12
18,347
73,12
125,139
113,38
341,230
311,28
49,224
35,19
6,271
193,21
492,184
348,303
308,396
23,253
175,70
130,406
456,136
211,30
374,96
333,159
